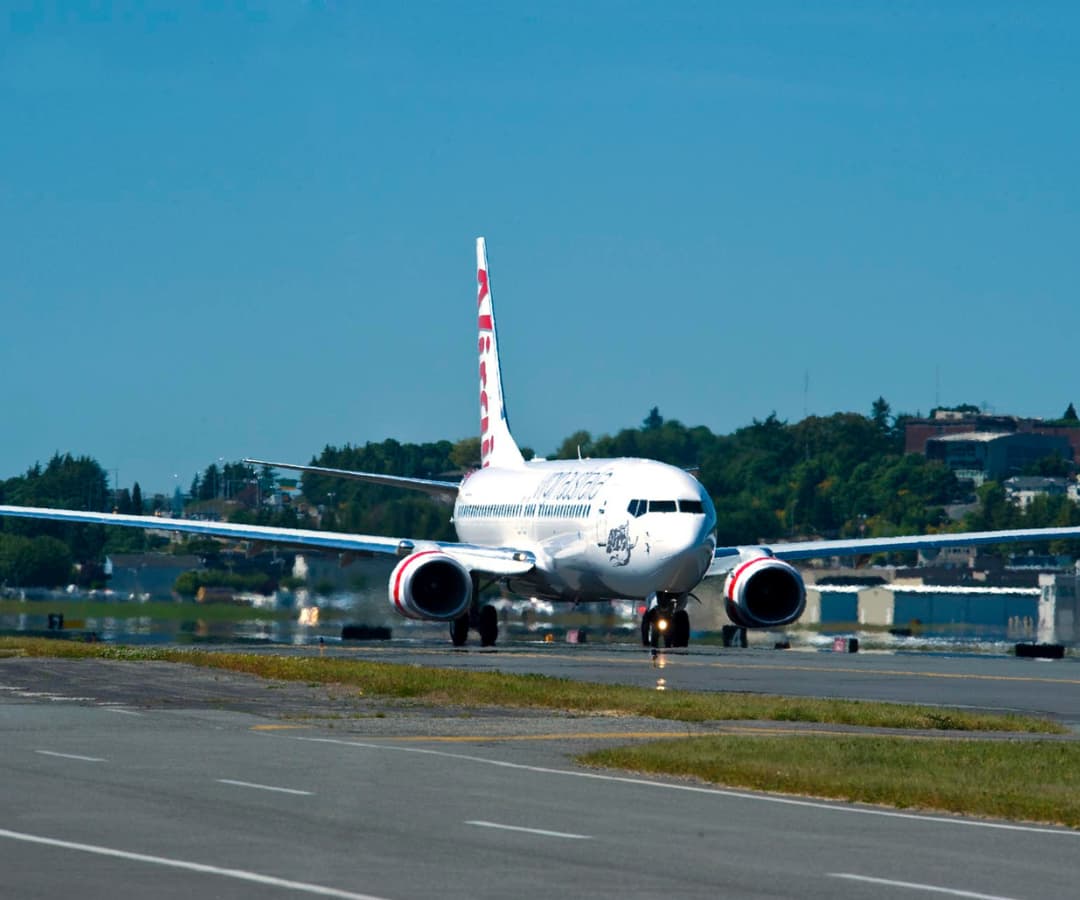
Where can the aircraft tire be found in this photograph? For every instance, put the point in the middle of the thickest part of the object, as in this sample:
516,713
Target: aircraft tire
488,626
680,629
657,638
459,630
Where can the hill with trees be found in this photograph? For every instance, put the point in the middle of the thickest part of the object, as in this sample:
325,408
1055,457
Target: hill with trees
843,475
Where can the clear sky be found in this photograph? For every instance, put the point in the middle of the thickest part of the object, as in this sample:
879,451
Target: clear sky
246,228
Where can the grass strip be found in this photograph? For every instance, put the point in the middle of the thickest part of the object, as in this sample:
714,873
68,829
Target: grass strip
159,611
1037,781
457,687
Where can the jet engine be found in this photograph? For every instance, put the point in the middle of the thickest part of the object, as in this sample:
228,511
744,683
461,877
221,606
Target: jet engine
764,592
430,585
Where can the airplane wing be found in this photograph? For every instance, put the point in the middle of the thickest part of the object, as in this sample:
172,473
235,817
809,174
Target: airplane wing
489,560
444,490
726,558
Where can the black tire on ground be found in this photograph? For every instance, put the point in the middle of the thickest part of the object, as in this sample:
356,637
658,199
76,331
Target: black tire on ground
646,628
459,630
656,636
680,629
488,626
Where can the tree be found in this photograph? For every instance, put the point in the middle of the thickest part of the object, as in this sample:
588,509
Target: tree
1070,414
34,562
653,420
210,488
66,482
136,500
879,414
377,509
579,441
466,453
1052,466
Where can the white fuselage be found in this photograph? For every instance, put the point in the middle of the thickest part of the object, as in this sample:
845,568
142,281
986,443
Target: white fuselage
600,529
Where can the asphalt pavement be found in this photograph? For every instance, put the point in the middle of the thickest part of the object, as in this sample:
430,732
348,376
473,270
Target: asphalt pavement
159,780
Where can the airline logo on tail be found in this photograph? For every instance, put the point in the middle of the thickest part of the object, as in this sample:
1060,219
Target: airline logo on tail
487,330
497,446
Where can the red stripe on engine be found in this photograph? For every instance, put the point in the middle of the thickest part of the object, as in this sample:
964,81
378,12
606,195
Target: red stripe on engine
401,574
735,576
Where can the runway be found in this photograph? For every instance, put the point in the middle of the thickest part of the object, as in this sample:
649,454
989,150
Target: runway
161,780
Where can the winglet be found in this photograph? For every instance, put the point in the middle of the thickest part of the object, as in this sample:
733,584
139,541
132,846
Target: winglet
497,446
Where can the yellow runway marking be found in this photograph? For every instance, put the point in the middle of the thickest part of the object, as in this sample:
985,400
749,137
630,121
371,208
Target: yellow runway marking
615,736
899,672
277,727
486,738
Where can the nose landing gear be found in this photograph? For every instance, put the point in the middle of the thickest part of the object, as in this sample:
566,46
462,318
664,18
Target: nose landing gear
666,623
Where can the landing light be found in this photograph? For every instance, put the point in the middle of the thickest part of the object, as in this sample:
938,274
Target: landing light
662,624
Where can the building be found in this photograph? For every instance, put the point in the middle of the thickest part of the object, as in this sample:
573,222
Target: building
139,575
1022,489
918,431
979,456
929,611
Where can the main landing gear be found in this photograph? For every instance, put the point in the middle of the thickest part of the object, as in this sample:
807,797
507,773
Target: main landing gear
666,623
485,619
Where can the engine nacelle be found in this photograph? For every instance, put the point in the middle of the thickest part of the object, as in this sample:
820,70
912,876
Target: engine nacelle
764,592
430,585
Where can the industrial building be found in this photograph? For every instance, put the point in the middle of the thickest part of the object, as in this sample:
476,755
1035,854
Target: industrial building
979,456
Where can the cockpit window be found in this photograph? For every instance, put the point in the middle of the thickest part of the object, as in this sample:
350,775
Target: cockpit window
637,508
661,506
691,506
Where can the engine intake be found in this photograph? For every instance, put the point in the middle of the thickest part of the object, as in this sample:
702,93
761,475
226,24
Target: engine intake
430,585
764,592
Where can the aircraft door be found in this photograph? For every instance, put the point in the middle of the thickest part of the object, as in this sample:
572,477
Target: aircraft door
601,523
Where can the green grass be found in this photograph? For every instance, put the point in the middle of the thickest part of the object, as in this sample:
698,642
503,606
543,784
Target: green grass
1036,781
493,689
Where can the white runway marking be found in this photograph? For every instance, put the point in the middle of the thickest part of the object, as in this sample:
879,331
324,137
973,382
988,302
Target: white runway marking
539,831
239,874
117,709
45,695
265,787
694,789
925,888
70,756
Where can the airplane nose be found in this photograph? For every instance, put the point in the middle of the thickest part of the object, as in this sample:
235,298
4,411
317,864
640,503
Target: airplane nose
689,555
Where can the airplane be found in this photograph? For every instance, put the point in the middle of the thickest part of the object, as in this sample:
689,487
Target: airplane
574,531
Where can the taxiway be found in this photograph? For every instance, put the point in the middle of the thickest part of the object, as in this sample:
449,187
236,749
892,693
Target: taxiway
162,780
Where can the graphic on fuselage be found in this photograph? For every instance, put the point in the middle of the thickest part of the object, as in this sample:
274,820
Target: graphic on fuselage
619,545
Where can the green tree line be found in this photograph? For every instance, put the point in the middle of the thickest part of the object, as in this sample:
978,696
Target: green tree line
843,475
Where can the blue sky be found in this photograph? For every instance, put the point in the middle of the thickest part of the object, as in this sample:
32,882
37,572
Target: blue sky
233,228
